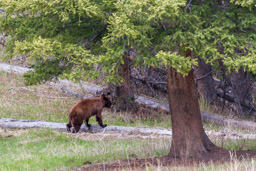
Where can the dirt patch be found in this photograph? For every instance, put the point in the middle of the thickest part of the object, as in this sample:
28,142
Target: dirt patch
4,133
113,135
215,156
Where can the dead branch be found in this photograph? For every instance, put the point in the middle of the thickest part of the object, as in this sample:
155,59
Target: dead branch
196,79
231,98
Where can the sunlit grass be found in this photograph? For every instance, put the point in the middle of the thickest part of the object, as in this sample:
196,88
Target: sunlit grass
40,149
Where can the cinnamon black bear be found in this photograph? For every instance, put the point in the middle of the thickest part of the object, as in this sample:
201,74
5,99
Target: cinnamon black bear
86,108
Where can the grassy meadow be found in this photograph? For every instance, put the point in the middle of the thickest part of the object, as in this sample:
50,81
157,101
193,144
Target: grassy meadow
39,149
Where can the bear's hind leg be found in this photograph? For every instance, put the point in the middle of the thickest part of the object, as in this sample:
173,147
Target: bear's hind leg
87,123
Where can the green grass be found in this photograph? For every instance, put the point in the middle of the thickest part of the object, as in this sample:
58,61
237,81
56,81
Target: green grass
239,144
40,149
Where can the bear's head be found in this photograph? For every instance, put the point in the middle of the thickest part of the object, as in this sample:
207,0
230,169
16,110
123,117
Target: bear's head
106,100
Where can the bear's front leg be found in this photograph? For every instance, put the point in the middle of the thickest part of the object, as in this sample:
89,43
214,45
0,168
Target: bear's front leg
99,120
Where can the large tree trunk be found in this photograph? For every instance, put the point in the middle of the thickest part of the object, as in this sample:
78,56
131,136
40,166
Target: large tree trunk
124,93
189,138
205,82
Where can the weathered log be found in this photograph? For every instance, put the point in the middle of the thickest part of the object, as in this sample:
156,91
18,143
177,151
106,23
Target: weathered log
89,87
61,84
206,116
13,69
66,90
221,120
28,124
152,104
23,124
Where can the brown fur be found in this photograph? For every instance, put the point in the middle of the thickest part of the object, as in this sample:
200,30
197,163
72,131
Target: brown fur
86,108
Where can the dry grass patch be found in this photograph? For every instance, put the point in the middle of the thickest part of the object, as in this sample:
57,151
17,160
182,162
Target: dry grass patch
112,135
40,102
4,133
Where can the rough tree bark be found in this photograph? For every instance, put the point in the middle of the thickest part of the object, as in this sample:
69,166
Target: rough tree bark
124,93
189,138
205,82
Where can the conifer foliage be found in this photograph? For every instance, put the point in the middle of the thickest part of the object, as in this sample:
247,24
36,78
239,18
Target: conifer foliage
74,36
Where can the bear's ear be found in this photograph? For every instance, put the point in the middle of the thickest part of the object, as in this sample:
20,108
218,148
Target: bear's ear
105,98
108,94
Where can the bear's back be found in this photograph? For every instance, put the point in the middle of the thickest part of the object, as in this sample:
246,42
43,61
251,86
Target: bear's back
88,106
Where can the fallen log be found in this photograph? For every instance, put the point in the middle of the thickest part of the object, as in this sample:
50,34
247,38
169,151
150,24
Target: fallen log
221,120
23,124
61,84
29,124
141,100
206,116
13,69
